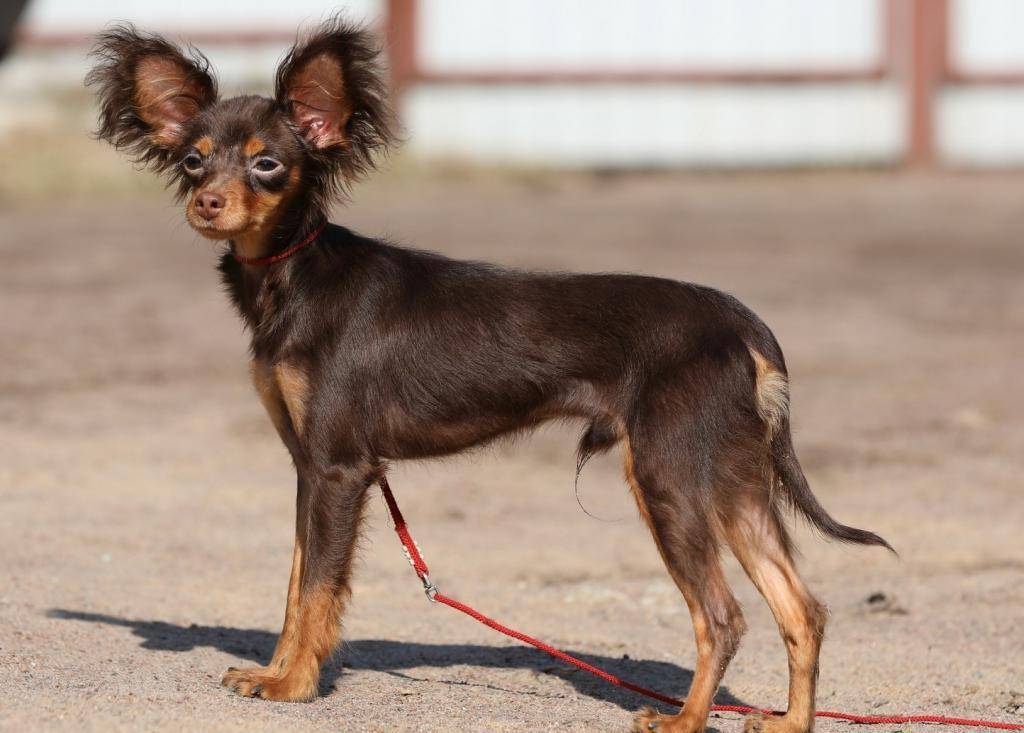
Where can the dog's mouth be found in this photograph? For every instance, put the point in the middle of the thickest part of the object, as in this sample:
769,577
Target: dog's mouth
232,222
213,230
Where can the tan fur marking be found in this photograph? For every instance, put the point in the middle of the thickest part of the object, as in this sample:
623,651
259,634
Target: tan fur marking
253,146
294,388
316,633
244,681
204,145
693,715
266,387
289,634
264,210
234,218
801,619
772,393
318,626
638,495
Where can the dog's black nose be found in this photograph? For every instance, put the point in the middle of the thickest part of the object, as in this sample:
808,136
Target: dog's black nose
208,205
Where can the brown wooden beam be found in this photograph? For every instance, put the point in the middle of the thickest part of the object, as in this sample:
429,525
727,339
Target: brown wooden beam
928,31
400,32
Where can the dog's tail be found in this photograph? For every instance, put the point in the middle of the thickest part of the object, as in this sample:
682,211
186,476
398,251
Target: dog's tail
790,476
773,408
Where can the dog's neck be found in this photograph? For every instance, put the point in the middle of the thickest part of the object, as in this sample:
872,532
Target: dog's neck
255,244
290,227
247,283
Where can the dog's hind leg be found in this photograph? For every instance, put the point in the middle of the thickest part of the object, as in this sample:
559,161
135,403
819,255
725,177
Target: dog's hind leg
760,542
669,500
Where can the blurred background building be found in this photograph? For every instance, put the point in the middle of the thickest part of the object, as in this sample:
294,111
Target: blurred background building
606,84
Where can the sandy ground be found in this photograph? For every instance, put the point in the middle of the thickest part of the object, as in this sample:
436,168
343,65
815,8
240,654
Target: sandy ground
146,505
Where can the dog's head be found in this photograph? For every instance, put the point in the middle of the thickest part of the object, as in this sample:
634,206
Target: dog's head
242,162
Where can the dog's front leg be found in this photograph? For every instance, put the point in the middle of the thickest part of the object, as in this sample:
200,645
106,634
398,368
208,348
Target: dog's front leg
329,514
246,680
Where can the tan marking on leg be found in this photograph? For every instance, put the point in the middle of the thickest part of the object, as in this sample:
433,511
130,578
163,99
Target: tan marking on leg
318,631
756,540
293,385
204,145
289,634
772,393
249,680
315,634
266,387
634,487
253,146
713,653
284,391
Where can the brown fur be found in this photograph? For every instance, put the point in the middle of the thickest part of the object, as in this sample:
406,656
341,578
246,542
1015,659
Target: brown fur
166,98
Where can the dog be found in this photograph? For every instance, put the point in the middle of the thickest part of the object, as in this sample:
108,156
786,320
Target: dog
364,353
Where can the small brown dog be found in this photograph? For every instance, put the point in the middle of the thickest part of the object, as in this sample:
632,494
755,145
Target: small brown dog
363,352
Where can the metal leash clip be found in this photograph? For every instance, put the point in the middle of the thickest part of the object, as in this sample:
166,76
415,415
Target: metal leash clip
429,588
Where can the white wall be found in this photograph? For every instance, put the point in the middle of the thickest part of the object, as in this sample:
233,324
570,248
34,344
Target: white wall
732,125
987,35
491,35
983,125
650,125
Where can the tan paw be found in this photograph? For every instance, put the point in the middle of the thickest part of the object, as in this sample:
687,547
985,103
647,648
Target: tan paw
292,685
772,724
648,720
246,682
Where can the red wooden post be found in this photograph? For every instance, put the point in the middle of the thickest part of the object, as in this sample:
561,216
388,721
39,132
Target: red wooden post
400,31
927,33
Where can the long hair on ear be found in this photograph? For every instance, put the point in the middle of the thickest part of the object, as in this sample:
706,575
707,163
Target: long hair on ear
370,128
125,120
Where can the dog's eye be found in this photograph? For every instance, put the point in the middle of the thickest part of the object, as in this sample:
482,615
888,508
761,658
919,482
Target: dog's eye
266,165
192,163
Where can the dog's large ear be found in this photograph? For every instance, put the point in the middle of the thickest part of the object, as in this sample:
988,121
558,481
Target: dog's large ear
334,91
148,90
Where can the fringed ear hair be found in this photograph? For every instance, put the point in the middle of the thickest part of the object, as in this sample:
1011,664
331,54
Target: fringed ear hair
148,91
334,92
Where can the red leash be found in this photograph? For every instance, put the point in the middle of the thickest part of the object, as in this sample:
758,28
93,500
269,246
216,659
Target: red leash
412,552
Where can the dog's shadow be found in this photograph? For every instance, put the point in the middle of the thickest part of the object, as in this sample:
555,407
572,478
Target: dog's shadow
392,657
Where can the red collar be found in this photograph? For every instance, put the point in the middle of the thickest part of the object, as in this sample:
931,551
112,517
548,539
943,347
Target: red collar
271,259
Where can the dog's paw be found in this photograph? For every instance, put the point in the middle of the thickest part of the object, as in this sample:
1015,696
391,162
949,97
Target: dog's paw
246,682
754,723
268,685
648,720
758,723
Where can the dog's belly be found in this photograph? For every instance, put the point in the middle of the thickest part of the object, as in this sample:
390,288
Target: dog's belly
408,434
